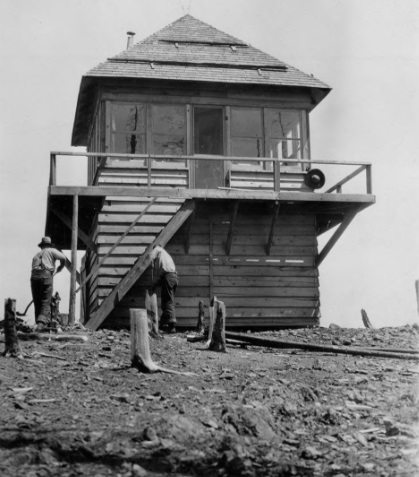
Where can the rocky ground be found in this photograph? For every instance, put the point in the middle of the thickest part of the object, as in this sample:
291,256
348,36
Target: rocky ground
79,409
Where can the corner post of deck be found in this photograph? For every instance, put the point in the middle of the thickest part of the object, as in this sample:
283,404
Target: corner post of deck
369,178
74,235
53,169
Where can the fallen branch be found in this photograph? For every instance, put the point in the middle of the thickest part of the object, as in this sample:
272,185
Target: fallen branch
140,345
269,343
47,337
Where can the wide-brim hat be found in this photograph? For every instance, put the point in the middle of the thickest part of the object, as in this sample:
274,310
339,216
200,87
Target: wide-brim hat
46,241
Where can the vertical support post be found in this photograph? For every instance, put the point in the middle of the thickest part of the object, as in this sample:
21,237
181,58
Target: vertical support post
53,170
74,228
369,179
211,257
149,159
277,176
271,232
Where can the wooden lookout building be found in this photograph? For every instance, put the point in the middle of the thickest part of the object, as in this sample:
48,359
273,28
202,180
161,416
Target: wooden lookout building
200,142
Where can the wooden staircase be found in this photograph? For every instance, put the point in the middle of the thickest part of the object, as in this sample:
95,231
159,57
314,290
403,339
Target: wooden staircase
118,264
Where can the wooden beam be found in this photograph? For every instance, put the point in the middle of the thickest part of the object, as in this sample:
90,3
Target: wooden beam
121,191
96,268
189,232
335,237
271,233
232,225
82,235
338,185
72,308
139,266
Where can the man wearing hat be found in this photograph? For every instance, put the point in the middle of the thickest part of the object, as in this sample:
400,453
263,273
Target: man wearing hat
43,270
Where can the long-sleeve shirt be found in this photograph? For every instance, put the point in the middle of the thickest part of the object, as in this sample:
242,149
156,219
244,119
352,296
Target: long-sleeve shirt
45,259
161,263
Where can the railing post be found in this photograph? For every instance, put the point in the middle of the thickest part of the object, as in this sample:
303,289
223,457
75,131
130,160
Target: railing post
53,170
339,189
149,171
277,176
369,179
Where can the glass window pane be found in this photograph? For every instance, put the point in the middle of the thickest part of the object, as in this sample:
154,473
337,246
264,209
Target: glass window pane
286,149
169,129
169,119
284,124
208,131
128,117
128,143
243,147
246,122
169,145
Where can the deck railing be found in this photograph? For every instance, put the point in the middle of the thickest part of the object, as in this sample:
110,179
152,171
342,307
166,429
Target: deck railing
178,171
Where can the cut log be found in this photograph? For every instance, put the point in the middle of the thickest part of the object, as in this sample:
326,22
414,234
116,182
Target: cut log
256,341
152,314
12,348
366,320
200,325
140,345
218,339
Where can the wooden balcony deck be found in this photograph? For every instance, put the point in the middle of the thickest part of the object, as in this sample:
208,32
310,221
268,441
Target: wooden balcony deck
244,180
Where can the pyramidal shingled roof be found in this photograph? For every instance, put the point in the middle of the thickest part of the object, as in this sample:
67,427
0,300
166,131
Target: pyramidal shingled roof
190,50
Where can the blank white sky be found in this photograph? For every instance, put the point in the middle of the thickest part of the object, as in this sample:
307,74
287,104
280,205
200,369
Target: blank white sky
366,50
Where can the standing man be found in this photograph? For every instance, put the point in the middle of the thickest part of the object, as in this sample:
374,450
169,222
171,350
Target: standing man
164,274
43,270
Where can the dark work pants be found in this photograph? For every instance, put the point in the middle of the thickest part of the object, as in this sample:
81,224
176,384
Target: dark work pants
169,283
41,286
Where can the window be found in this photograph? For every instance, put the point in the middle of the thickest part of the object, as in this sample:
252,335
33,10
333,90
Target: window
285,136
169,130
208,130
128,128
247,132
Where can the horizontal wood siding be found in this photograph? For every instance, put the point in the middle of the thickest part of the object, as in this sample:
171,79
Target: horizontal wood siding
259,290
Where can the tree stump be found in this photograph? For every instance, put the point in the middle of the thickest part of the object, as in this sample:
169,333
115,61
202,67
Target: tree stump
218,339
200,326
12,348
211,322
152,314
140,345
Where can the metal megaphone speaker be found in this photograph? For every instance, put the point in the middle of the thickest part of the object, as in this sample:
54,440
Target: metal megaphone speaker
315,179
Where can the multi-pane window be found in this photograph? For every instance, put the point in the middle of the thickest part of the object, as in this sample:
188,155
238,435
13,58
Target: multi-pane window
128,128
285,138
169,130
247,132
